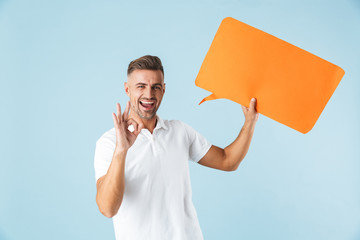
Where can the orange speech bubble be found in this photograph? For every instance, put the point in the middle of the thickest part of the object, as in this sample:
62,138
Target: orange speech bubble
291,85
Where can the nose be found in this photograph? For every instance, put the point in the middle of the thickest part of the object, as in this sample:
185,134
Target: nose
149,92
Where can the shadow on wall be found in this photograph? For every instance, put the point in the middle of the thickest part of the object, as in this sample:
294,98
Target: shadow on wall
2,236
356,3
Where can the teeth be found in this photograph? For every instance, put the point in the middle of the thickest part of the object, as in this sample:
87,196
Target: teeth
147,102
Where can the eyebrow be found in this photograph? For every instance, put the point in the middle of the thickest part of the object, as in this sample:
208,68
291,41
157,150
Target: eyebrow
156,84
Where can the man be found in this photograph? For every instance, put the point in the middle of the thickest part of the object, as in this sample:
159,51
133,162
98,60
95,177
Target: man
141,165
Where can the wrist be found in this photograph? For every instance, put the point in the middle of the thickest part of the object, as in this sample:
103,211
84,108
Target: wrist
120,151
250,125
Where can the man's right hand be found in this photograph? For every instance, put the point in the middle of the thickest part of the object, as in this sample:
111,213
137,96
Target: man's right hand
124,138
110,187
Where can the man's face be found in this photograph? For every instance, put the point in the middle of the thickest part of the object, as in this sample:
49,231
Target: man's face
145,89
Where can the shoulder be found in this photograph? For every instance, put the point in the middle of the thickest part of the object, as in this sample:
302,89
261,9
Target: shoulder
175,124
179,127
108,137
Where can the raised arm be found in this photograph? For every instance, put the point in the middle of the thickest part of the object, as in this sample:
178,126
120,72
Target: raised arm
111,186
229,158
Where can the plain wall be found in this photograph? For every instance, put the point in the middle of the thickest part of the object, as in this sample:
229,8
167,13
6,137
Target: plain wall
62,69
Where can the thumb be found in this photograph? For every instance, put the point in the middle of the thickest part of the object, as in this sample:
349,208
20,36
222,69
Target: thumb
252,103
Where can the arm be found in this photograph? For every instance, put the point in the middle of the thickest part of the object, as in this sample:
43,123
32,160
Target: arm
111,186
229,158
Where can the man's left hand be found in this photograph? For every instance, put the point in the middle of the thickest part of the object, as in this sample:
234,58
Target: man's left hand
250,113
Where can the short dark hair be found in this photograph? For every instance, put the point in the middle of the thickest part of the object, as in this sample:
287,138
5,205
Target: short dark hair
147,62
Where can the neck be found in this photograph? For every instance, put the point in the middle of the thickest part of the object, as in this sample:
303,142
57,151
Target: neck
149,124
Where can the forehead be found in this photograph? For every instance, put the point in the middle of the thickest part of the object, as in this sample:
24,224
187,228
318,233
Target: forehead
146,76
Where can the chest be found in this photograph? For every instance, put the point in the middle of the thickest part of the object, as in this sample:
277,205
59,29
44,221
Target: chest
161,157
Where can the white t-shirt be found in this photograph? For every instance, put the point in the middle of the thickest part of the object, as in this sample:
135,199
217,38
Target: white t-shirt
157,202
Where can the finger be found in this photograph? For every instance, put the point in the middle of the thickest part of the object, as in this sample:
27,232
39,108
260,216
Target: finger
140,126
118,112
137,126
132,122
115,120
126,112
252,104
131,128
244,109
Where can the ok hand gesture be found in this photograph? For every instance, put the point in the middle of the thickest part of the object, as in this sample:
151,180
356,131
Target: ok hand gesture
125,138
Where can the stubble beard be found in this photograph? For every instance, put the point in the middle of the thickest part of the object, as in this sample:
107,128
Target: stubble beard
141,115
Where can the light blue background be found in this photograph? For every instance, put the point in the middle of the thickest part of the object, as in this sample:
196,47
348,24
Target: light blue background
63,64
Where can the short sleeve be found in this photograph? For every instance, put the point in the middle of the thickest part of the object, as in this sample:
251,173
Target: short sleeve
104,151
198,144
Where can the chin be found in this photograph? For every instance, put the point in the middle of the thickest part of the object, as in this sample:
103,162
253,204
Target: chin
147,116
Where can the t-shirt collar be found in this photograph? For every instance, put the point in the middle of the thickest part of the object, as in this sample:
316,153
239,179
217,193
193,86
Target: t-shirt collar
160,123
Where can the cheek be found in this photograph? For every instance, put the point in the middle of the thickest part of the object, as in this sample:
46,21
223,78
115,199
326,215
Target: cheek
135,100
134,95
159,96
132,99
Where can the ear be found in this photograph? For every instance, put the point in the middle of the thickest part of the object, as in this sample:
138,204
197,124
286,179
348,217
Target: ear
126,86
164,88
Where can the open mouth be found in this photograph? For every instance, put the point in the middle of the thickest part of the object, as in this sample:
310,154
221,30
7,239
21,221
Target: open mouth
147,105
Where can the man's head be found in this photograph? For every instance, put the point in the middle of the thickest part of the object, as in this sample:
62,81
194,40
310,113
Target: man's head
145,85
